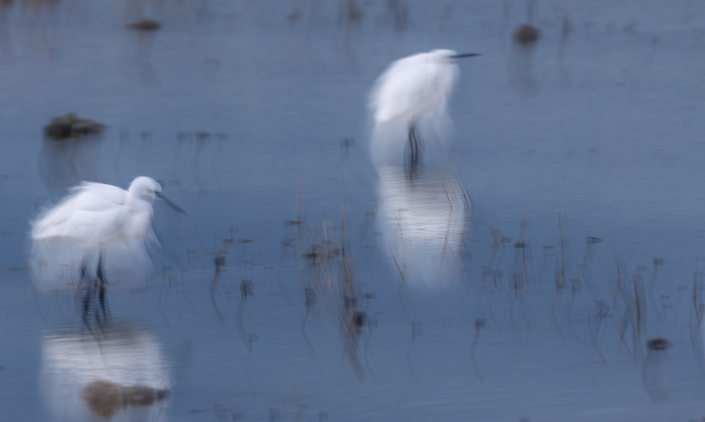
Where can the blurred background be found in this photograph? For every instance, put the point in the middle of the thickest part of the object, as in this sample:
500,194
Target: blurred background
547,267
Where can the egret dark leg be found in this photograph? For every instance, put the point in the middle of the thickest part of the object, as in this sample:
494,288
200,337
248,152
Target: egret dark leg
99,270
101,315
84,267
414,149
415,157
88,295
412,146
101,290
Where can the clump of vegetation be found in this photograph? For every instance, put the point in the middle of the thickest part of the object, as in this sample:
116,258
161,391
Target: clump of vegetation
526,34
71,126
145,25
105,398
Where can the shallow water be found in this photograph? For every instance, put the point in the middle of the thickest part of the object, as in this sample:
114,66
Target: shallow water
580,239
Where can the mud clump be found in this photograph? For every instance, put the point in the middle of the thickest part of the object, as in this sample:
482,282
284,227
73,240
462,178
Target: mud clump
658,344
71,126
526,34
145,25
105,398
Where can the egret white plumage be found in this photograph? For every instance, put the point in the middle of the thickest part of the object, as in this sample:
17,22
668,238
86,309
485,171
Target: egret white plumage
413,87
96,216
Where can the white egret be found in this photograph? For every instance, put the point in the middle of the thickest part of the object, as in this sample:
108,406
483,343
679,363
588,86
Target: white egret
413,87
96,216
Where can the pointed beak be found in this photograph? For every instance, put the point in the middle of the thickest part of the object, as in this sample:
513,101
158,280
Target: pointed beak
168,202
460,56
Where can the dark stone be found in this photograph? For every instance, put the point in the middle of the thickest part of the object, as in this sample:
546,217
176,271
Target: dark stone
70,126
658,344
145,25
526,34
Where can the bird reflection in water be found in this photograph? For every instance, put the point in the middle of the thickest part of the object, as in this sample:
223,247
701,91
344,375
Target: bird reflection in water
423,221
118,373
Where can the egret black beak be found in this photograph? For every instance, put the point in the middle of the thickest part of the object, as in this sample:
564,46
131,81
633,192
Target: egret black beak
460,56
168,202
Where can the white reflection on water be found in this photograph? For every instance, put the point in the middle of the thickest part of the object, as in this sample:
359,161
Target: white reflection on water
423,220
118,372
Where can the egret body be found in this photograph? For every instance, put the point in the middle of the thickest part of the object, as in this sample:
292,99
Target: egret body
96,216
414,87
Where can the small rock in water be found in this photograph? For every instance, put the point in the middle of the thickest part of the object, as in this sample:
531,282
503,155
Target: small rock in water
145,25
526,34
70,126
658,344
105,398
359,319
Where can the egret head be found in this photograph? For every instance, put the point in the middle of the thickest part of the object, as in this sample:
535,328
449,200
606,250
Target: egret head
443,55
149,189
449,56
145,188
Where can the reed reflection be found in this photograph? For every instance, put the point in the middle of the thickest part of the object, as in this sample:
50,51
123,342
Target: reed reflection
520,62
423,220
118,372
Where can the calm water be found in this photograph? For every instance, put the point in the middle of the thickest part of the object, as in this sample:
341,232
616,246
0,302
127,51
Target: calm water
518,279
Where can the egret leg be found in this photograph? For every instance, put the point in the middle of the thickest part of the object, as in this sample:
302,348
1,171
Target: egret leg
99,270
84,267
101,290
414,148
87,296
102,315
95,292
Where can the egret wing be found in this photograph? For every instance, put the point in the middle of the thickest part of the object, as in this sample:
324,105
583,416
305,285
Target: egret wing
88,227
411,87
88,196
